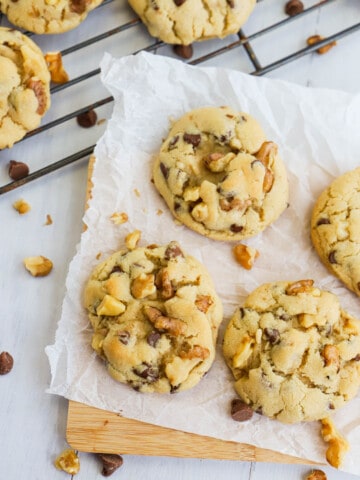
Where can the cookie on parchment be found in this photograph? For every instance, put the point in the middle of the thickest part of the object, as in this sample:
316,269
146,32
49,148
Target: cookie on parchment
294,353
219,175
155,315
183,22
335,228
24,86
44,16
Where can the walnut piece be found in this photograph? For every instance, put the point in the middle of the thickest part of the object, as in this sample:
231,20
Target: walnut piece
132,239
302,286
317,38
197,351
119,217
173,326
331,355
316,475
338,445
38,88
143,285
110,306
163,283
56,67
21,206
38,266
203,303
245,255
266,152
68,461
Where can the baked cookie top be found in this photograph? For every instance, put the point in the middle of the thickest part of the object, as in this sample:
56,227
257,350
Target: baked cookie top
44,16
155,315
219,176
335,228
183,22
25,86
294,353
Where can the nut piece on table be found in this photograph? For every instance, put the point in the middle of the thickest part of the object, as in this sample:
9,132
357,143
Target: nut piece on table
338,445
68,461
21,206
119,217
18,170
317,38
245,255
110,463
49,220
6,363
293,7
132,239
87,119
56,68
316,475
38,266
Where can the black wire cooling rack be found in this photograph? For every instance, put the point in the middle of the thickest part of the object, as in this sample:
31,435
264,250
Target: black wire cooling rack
237,43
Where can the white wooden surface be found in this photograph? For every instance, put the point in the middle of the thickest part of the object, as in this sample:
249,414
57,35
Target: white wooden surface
32,422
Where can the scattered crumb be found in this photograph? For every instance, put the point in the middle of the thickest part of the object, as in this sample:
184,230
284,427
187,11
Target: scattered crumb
317,38
136,191
98,256
338,445
159,211
132,239
119,218
21,206
56,68
49,220
145,210
101,121
68,461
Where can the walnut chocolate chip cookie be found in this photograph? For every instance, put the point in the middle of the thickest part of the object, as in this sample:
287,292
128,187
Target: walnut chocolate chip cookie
25,86
182,22
294,353
335,228
219,175
47,16
155,316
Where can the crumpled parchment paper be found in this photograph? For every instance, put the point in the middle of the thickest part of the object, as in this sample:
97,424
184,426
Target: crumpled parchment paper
317,132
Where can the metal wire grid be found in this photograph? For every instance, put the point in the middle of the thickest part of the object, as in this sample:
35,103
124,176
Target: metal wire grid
242,41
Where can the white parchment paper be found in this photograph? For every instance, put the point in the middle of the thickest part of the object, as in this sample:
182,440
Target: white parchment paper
318,133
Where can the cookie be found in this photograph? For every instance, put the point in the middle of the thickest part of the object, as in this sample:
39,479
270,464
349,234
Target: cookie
155,316
25,86
183,22
294,353
335,228
219,175
43,16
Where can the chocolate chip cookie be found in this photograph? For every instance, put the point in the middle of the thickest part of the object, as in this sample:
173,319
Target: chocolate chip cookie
44,16
183,22
25,86
219,175
335,228
294,353
155,316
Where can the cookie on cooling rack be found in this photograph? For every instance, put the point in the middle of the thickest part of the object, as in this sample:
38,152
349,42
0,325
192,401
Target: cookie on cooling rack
219,176
294,353
155,316
183,22
43,16
25,86
335,228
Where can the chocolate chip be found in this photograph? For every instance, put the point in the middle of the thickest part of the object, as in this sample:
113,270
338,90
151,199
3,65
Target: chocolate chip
331,406
293,7
115,269
6,363
273,335
236,228
192,138
173,250
323,221
174,388
178,3
18,170
153,338
110,463
240,411
177,205
231,3
78,6
87,119
242,312
331,257
148,372
183,51
244,119
357,358
173,142
124,337
164,170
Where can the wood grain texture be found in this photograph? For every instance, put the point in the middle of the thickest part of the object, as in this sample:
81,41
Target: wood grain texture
93,430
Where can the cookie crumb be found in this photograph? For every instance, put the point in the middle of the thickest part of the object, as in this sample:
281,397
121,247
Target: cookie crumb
56,68
110,463
101,121
49,220
137,193
316,475
159,211
98,255
338,445
119,218
318,38
21,206
68,461
132,239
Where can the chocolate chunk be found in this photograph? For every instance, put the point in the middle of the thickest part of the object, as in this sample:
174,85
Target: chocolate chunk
78,6
173,250
148,372
173,142
87,119
293,7
177,205
124,337
153,338
178,3
6,363
231,3
192,138
273,335
183,51
115,269
331,257
110,463
236,228
242,312
18,170
174,388
164,170
323,221
331,406
240,411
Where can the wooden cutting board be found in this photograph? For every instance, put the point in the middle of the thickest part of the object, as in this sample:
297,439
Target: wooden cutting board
90,429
